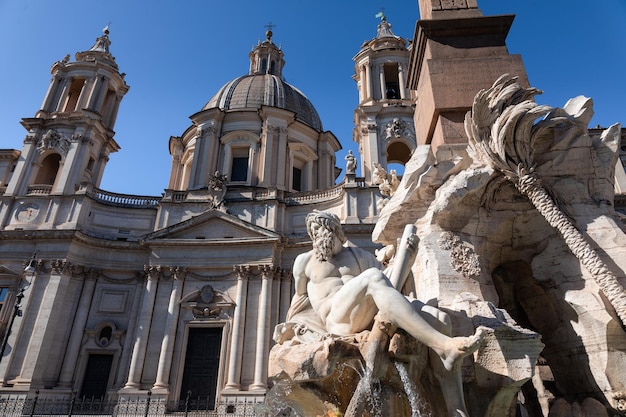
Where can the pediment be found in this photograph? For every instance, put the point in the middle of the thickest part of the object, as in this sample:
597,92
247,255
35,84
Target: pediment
215,226
8,273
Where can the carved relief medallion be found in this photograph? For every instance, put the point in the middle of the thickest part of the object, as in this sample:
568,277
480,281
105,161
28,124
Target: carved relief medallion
28,212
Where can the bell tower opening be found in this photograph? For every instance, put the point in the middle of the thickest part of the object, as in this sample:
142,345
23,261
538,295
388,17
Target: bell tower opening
74,93
392,81
47,173
398,153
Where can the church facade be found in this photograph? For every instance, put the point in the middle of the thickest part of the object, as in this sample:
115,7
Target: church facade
178,296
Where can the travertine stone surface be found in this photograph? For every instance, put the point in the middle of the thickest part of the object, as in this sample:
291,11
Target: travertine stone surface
481,234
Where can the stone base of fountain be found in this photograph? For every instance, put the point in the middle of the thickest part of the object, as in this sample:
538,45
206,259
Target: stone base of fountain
320,379
320,376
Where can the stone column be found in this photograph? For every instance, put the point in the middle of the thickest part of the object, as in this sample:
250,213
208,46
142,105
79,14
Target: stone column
47,324
199,175
98,94
52,91
381,76
281,177
94,93
169,336
124,361
363,89
263,330
228,162
143,329
368,82
286,280
78,329
110,122
307,184
104,85
214,144
65,87
266,168
18,339
401,81
324,164
371,147
234,361
84,93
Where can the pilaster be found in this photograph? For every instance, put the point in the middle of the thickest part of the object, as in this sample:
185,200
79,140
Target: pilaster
78,328
235,359
263,330
142,331
45,309
169,336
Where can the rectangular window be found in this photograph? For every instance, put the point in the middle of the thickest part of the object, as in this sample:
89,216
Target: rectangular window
296,179
239,167
239,170
392,82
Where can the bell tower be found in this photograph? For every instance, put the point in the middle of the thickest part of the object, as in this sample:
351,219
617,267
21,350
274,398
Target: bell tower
71,137
384,117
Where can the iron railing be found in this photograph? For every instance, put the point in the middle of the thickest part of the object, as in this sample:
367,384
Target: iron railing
39,406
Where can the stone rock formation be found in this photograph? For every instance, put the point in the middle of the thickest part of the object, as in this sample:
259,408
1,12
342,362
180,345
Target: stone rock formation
516,235
522,217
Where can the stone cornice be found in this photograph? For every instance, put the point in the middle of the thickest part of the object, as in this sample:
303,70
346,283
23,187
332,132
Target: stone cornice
10,154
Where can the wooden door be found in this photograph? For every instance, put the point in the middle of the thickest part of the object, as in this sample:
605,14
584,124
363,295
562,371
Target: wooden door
202,366
96,379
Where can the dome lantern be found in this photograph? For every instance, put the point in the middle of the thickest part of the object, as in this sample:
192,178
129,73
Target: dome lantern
265,57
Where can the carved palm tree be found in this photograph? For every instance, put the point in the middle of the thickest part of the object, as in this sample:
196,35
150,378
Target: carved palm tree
503,134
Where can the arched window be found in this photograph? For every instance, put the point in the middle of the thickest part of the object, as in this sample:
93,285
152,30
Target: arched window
48,171
263,65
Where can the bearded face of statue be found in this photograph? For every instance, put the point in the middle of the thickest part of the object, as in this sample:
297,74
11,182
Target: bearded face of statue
323,243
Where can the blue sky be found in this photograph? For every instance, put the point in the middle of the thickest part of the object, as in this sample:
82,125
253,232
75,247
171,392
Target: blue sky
177,54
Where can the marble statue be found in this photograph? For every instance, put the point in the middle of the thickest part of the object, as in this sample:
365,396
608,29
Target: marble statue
350,163
379,175
341,289
394,181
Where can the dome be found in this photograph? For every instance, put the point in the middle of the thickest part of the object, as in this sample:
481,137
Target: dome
254,91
